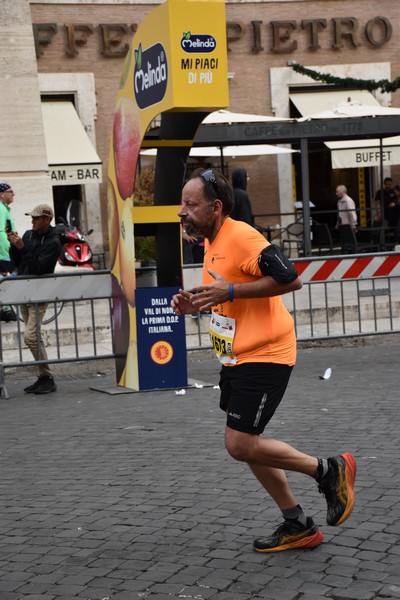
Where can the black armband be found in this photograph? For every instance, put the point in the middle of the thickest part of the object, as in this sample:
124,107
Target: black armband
274,263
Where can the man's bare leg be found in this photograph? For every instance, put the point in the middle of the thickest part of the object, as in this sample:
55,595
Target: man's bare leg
256,450
274,481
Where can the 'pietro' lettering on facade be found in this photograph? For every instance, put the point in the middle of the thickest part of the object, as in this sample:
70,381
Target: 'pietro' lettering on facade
334,34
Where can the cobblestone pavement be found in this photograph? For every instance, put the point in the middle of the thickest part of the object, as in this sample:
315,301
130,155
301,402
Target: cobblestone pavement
118,497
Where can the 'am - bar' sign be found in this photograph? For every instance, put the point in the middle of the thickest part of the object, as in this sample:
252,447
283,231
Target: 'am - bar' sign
75,174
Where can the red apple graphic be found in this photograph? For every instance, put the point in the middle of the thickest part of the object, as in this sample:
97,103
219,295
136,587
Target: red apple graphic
120,313
113,222
127,254
127,140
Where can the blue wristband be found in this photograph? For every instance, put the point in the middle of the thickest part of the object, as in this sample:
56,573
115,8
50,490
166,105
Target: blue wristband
230,292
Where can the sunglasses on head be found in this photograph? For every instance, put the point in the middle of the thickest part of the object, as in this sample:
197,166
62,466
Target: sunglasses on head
209,177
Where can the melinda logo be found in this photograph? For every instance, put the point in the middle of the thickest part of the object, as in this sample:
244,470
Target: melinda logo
194,42
150,76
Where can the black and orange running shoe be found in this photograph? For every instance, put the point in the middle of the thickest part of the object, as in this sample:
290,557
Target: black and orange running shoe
338,488
290,535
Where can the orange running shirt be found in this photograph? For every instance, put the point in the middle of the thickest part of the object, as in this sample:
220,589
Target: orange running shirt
264,328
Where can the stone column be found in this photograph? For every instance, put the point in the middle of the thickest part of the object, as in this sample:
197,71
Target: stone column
23,160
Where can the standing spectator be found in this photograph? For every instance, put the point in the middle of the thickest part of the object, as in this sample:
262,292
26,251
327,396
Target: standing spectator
242,210
193,248
6,221
396,190
36,253
347,214
6,199
385,200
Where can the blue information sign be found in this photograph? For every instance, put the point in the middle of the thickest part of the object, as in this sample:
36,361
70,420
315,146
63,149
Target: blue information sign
161,340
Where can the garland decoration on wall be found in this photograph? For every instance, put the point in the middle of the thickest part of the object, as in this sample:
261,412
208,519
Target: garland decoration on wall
348,82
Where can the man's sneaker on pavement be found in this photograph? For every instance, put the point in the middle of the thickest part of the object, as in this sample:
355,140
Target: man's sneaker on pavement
8,314
31,388
46,385
338,488
289,535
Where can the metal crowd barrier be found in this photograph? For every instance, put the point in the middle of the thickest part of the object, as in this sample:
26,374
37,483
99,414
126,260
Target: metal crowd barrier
77,325
342,296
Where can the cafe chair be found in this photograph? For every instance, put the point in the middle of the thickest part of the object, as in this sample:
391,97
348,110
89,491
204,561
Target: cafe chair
386,237
293,240
350,243
390,238
322,239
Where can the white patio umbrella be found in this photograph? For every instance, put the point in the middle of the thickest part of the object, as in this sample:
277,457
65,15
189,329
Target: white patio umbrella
353,108
221,117
226,116
249,152
230,151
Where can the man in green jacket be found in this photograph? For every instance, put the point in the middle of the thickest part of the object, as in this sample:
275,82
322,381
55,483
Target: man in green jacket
6,221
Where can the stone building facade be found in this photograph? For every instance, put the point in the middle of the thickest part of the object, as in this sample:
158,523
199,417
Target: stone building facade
75,50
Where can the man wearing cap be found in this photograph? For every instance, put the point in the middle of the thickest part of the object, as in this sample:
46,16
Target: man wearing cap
36,253
6,222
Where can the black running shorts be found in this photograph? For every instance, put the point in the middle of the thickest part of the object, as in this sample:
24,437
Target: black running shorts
251,393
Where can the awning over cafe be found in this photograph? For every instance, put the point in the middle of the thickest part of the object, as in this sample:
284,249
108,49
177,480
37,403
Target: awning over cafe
364,153
71,157
346,154
312,102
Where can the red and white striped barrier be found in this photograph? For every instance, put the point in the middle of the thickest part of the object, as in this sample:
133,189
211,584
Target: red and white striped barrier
334,269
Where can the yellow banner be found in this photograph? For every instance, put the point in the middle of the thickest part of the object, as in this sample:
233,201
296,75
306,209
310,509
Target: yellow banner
177,62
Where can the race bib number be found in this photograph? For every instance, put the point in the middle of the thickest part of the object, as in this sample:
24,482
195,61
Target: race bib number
222,333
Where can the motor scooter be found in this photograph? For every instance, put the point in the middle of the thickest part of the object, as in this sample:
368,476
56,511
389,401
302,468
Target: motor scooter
75,251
